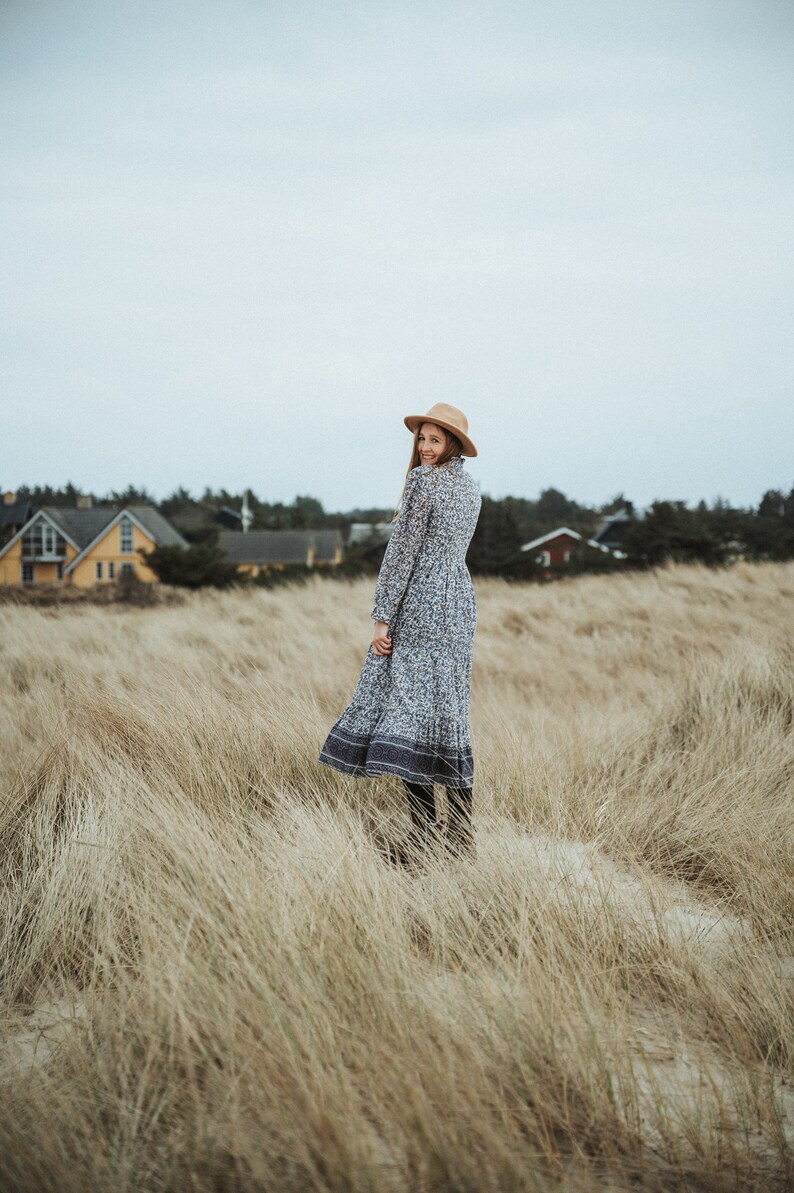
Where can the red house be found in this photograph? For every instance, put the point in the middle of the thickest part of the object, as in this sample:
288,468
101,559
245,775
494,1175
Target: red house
553,550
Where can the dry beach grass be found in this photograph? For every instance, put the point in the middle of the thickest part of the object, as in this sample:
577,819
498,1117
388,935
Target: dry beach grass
211,982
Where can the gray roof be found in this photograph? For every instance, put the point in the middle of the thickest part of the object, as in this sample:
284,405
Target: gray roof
16,513
164,534
612,529
326,545
83,526
550,535
266,546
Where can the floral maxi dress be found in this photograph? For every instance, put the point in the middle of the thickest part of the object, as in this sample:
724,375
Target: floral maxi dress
409,715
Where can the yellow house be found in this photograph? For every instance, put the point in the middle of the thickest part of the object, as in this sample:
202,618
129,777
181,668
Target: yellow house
85,546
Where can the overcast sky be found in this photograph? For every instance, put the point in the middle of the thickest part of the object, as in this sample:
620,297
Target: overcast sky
241,240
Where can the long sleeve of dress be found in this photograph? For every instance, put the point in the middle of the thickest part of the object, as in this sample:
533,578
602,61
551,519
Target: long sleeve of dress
406,539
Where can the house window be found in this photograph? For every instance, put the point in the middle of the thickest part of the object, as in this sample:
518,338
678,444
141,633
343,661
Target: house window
125,536
59,571
128,569
42,541
111,570
98,570
28,573
566,555
544,559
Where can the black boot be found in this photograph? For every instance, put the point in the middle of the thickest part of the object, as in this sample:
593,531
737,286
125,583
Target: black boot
459,836
422,805
423,833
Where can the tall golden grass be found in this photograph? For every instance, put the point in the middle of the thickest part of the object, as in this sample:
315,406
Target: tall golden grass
212,982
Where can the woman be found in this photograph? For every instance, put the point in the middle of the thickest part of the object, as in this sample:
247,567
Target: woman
409,715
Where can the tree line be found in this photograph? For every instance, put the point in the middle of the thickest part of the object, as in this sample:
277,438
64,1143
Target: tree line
668,530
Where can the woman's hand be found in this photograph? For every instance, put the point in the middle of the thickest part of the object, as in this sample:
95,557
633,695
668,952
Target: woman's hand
381,642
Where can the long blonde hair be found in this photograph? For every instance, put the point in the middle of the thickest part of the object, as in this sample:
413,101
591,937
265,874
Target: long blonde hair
453,447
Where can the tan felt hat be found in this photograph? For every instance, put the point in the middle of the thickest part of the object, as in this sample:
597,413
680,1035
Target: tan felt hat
448,417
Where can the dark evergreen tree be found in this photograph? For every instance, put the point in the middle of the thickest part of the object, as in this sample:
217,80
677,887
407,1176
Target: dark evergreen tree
179,500
46,495
197,566
129,496
205,532
496,539
554,506
618,502
770,534
772,504
310,510
671,531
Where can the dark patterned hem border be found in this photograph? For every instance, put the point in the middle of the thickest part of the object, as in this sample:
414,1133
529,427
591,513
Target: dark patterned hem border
361,755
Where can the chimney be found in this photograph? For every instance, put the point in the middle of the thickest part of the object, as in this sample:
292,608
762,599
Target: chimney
9,498
84,501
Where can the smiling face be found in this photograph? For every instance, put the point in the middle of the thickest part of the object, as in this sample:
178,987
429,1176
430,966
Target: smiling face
431,442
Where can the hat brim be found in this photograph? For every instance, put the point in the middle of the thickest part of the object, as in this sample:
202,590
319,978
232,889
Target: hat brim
412,421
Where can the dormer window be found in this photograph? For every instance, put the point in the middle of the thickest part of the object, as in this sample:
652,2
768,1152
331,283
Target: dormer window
42,541
125,537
